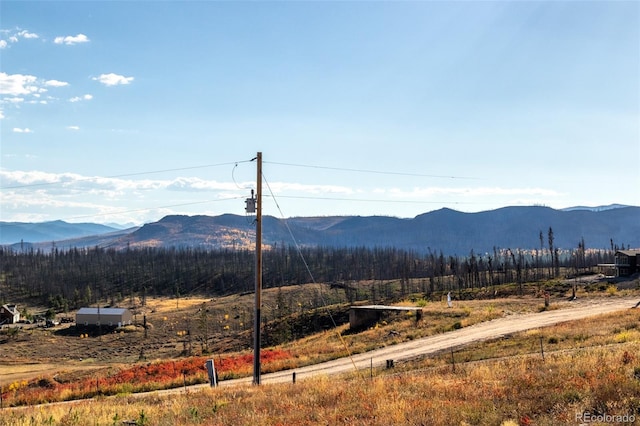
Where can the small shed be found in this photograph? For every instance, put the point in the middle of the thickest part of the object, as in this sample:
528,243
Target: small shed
113,317
364,316
9,314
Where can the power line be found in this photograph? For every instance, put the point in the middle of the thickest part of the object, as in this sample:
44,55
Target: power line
114,213
154,208
308,269
123,175
380,172
369,200
235,165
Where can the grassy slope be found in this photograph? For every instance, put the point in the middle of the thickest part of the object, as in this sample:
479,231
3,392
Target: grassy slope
590,365
523,389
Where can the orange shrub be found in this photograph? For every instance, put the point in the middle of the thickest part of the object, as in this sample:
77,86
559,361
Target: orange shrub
139,378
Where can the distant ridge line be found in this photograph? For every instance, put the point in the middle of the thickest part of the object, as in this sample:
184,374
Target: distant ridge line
446,230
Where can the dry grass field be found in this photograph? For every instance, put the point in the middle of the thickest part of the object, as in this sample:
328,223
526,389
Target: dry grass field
592,371
590,365
34,350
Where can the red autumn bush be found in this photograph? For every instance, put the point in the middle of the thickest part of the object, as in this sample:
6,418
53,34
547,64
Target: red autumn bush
139,378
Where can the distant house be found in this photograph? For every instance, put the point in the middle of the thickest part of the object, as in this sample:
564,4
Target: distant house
627,262
112,317
9,314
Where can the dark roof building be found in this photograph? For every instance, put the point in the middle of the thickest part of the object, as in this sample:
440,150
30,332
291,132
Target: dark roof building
627,262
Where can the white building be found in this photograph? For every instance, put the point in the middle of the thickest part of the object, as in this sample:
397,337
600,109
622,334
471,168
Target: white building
9,314
104,316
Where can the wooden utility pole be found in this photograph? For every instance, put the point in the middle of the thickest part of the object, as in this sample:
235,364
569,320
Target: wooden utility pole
258,295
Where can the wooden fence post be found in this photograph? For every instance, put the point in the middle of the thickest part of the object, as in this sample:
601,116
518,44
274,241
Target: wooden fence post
453,361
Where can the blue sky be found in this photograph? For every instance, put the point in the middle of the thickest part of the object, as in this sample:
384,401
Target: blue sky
124,112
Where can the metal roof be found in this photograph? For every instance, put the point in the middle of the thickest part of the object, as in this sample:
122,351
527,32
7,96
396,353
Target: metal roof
103,311
629,252
11,308
386,308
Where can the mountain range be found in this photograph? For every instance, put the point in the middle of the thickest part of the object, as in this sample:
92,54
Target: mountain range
446,230
13,232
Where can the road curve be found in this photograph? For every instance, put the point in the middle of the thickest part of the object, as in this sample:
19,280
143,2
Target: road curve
432,344
424,346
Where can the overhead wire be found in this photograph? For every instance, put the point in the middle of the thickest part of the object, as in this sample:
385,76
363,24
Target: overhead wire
122,175
233,178
381,172
369,200
235,165
308,269
87,179
153,208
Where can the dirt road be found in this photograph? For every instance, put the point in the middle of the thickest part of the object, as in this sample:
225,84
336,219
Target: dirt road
432,344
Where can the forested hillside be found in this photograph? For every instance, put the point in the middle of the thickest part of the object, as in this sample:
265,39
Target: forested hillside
69,279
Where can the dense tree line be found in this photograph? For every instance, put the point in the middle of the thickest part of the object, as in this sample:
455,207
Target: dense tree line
78,277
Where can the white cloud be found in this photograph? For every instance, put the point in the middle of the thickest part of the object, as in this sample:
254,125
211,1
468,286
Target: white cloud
26,88
1,114
86,97
311,189
41,200
70,40
19,130
27,34
112,79
15,37
17,84
108,199
73,128
69,181
128,199
197,184
55,83
19,177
